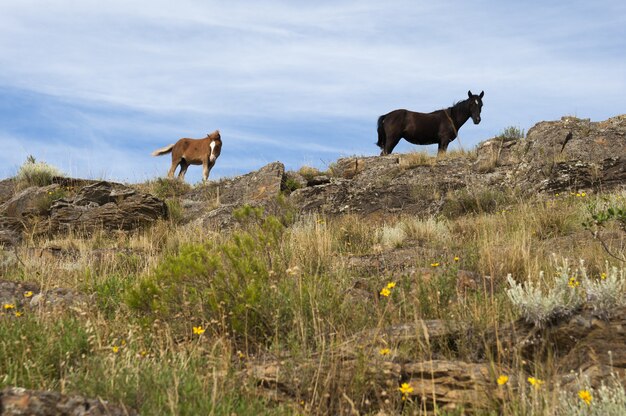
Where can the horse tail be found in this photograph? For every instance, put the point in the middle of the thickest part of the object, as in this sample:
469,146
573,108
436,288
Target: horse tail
382,136
163,150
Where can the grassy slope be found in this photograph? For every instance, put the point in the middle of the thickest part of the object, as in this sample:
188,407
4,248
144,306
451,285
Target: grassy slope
276,287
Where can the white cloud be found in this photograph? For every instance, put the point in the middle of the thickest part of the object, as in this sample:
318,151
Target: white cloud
167,69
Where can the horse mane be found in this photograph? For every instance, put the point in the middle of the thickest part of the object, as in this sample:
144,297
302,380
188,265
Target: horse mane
214,135
456,106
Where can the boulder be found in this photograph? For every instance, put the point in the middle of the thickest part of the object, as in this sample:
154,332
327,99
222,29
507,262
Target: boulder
105,205
7,189
385,185
31,202
214,202
582,344
16,401
450,385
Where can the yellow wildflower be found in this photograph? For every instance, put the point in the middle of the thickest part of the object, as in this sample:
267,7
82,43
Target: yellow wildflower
385,292
602,276
456,258
585,396
198,330
405,389
535,382
573,283
28,294
384,351
115,349
436,264
502,380
391,285
583,194
8,306
18,314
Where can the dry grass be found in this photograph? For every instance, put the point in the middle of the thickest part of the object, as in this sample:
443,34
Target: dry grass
266,291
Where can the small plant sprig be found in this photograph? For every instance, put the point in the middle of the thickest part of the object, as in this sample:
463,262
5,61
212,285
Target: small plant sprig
600,217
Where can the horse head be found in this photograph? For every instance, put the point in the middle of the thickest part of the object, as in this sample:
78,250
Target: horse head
475,105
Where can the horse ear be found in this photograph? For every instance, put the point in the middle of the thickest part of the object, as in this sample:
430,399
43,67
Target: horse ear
482,94
469,93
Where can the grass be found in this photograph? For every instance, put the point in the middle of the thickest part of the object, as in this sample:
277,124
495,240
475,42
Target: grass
33,173
282,291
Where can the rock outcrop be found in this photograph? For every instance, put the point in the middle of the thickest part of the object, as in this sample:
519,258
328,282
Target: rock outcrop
557,156
584,345
20,402
213,203
94,206
105,205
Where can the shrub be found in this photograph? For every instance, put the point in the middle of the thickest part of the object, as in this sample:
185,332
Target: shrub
541,305
167,188
227,283
607,400
33,173
392,236
309,172
511,133
607,293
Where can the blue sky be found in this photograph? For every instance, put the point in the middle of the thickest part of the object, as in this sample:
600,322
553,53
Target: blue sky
93,87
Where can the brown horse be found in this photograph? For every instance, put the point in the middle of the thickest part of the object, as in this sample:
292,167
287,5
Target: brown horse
193,152
439,127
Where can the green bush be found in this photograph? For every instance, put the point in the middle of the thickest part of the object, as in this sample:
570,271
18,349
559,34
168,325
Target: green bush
228,283
511,133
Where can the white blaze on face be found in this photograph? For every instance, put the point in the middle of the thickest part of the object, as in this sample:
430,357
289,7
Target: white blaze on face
476,101
212,156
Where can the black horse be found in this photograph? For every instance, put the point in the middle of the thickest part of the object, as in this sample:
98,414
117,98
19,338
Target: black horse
439,127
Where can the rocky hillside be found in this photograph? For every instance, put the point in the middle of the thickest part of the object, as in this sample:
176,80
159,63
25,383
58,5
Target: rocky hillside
558,157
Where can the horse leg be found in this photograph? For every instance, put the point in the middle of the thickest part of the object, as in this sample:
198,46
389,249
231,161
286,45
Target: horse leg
183,169
443,146
206,169
170,174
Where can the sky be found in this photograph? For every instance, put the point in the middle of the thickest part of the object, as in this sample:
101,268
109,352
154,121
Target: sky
94,87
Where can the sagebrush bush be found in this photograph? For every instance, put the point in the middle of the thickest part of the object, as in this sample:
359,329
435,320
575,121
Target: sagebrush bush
607,292
433,231
33,173
539,303
392,236
607,400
